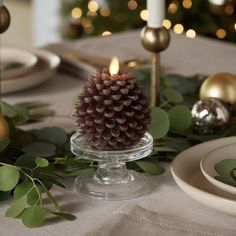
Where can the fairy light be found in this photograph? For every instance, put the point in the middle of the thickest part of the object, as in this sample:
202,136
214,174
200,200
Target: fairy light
132,4
106,33
173,8
144,15
105,11
187,4
229,10
235,26
217,2
93,6
221,33
191,33
178,29
76,13
166,23
86,22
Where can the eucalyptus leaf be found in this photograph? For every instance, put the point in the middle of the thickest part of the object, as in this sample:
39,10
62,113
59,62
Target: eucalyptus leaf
160,123
38,113
41,162
26,160
30,105
180,117
173,95
53,135
33,192
33,216
17,207
224,168
7,109
3,144
151,167
40,149
64,215
9,177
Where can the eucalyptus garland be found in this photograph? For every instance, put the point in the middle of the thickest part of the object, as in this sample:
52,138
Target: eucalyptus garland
35,160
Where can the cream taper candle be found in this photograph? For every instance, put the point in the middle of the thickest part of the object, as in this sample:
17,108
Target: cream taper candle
156,13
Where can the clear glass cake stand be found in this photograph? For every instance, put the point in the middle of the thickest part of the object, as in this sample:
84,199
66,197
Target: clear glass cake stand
111,180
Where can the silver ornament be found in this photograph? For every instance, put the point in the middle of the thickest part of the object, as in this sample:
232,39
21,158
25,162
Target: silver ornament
210,115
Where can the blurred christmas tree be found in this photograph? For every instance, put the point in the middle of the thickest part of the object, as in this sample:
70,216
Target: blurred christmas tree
213,18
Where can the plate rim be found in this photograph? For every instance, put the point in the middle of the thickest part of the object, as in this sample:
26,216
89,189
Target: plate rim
226,187
185,183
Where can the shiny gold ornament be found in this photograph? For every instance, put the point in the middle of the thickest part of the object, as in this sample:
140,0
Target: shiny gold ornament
4,128
221,85
155,39
5,19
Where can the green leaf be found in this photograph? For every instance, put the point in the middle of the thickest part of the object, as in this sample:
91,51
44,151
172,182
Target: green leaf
52,199
37,113
29,189
173,95
160,123
53,135
224,168
64,215
33,216
41,162
180,117
29,105
151,167
3,144
40,149
26,160
22,189
9,177
18,206
7,110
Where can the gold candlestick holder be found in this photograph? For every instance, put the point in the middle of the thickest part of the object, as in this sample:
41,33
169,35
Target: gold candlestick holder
155,40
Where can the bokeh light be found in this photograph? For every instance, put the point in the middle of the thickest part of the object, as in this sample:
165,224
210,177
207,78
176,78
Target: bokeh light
173,8
229,10
191,33
93,6
105,11
187,4
76,13
178,29
106,33
166,23
220,33
144,14
132,4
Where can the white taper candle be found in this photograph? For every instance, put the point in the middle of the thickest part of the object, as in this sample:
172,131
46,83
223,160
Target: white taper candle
156,13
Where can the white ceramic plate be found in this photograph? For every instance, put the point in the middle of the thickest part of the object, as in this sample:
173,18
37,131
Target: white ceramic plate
187,174
44,69
208,163
9,55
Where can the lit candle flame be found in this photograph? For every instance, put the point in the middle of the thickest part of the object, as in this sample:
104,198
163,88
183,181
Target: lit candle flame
114,66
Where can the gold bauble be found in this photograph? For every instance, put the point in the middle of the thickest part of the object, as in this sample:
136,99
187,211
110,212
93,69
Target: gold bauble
221,85
4,128
5,19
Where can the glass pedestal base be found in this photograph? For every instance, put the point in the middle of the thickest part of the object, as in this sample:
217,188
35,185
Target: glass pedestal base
111,180
135,185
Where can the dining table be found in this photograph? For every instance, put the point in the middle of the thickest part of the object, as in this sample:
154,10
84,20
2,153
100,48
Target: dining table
185,56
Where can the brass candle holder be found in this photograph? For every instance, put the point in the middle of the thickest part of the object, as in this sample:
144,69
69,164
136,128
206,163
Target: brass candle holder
155,40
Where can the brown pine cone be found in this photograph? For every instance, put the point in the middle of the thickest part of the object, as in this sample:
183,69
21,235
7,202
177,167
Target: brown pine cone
112,112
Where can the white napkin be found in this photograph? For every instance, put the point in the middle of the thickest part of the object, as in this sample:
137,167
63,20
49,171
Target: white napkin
138,221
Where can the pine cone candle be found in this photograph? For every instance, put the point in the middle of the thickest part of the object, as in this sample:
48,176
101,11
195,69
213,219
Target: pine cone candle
112,112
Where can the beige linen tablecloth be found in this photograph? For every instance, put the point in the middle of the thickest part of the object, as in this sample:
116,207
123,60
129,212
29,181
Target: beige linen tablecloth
186,56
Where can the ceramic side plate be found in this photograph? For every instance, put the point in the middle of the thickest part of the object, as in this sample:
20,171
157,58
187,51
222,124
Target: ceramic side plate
186,171
208,163
16,62
43,70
